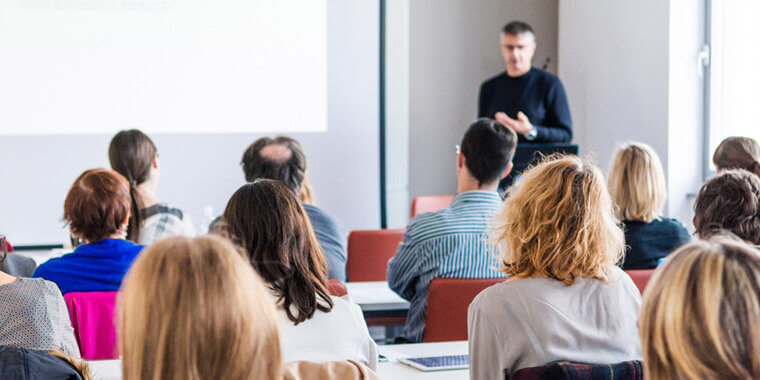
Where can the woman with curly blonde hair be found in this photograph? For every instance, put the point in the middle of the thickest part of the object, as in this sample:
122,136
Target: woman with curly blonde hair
566,299
701,313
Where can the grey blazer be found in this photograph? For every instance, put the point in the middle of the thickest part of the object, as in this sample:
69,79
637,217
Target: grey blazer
18,265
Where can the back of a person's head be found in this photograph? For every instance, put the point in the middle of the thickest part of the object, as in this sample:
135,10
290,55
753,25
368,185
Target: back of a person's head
637,183
738,153
131,153
558,222
701,313
97,205
191,308
729,201
488,148
280,158
269,222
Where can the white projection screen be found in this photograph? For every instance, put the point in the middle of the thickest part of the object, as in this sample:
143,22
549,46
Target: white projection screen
203,79
169,66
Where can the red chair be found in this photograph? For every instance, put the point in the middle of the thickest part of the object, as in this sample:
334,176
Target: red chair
447,303
640,277
336,288
92,316
369,252
428,203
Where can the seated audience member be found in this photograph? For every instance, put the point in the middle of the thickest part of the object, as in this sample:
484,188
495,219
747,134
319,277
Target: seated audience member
729,201
134,156
97,211
269,222
637,186
451,243
281,158
15,265
193,309
23,363
33,314
738,153
566,299
700,315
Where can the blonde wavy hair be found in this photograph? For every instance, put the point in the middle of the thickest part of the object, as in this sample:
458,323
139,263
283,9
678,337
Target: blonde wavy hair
193,308
701,313
637,183
558,222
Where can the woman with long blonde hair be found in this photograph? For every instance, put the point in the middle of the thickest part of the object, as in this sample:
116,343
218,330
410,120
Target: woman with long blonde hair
194,309
566,299
637,186
701,313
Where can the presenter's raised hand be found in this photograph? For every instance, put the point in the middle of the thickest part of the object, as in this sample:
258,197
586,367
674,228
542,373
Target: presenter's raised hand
520,125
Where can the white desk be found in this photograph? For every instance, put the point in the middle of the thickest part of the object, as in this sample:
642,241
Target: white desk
376,299
395,370
391,369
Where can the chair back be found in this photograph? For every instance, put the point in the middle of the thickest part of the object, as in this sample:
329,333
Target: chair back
336,288
630,370
429,203
92,317
640,277
369,252
447,303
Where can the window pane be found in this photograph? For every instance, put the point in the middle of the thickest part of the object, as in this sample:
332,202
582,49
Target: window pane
735,75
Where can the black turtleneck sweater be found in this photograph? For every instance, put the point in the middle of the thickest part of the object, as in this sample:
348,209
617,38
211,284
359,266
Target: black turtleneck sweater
538,94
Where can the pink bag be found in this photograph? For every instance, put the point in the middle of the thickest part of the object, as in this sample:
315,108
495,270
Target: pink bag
92,317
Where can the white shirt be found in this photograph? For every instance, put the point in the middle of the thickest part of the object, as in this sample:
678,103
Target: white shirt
341,334
534,321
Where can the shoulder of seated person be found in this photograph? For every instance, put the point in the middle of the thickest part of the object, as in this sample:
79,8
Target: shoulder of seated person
346,369
426,219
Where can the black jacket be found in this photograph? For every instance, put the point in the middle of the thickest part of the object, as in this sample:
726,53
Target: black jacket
25,364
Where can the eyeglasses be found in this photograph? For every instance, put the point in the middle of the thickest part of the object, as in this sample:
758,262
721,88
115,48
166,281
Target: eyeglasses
3,247
458,149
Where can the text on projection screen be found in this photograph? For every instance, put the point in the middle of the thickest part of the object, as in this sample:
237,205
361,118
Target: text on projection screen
164,66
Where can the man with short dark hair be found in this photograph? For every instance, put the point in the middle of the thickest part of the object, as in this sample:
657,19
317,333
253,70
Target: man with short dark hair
530,101
282,159
451,243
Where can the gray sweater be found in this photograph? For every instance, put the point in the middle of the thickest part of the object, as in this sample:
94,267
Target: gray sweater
534,321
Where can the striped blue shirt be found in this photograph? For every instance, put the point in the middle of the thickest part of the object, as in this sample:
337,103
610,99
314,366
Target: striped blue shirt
450,243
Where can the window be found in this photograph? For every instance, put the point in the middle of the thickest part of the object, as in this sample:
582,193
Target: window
734,80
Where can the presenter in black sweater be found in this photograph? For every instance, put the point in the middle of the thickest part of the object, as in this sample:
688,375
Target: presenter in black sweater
527,99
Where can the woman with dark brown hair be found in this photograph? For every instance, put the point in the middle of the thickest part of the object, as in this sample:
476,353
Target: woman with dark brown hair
96,210
738,153
133,155
729,201
269,222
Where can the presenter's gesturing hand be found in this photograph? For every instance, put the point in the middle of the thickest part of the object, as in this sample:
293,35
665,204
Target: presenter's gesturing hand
520,125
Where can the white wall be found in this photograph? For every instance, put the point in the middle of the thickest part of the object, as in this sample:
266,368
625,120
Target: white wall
629,71
200,170
453,48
